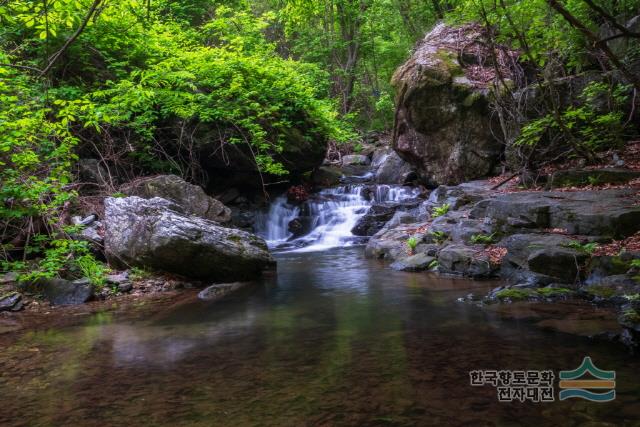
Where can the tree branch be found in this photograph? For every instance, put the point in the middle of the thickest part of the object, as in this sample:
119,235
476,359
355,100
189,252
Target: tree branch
70,40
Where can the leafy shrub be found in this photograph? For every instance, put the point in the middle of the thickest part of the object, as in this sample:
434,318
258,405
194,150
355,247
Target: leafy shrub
590,125
439,237
483,239
440,210
588,248
412,242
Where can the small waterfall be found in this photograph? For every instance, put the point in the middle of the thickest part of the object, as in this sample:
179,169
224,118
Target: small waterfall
274,226
333,212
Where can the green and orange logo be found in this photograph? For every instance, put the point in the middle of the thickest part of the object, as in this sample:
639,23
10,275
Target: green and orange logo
572,386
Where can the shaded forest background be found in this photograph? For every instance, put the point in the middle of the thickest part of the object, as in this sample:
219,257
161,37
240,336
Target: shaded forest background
194,87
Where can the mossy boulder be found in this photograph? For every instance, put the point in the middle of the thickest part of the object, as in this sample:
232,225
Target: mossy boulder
443,124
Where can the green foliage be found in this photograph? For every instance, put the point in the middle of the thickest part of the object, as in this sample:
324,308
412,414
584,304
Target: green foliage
440,210
597,123
439,237
137,273
601,291
635,263
588,248
412,242
513,294
433,264
483,238
59,258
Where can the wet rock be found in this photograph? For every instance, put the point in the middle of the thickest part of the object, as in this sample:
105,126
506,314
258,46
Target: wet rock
582,177
417,262
616,289
191,198
300,226
465,260
11,302
221,290
244,218
389,243
326,176
390,168
155,233
355,159
443,124
374,220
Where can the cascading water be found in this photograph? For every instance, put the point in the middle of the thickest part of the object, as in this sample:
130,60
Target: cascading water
332,212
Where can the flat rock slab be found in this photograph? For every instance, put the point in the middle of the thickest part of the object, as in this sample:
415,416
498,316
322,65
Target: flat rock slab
612,213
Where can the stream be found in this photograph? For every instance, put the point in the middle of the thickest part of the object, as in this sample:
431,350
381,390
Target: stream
330,339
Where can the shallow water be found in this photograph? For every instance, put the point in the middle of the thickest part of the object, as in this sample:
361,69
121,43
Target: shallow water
332,339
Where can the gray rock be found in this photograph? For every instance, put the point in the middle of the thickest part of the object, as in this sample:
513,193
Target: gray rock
88,220
390,168
465,260
221,290
546,256
443,123
154,233
8,278
326,176
374,220
355,159
92,233
117,279
610,213
125,287
11,302
417,262
61,291
191,198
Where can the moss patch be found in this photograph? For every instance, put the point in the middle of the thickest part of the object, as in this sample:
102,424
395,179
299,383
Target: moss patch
601,291
513,294
553,292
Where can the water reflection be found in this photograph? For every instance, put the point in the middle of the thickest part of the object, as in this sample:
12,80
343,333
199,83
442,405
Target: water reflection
333,339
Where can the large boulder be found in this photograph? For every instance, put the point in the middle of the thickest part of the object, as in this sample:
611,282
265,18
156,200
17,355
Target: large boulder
191,198
443,124
156,233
